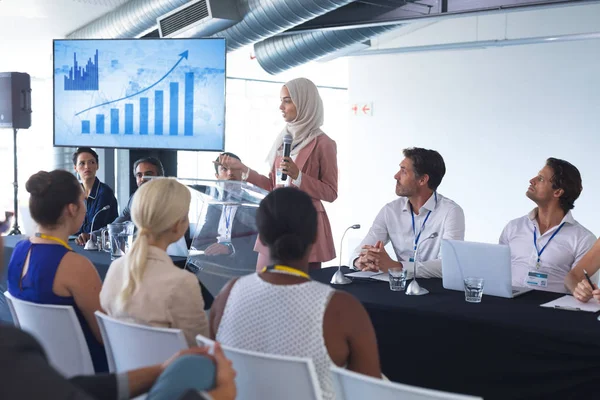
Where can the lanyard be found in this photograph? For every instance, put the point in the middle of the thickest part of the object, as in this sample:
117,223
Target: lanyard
282,269
54,239
228,220
412,214
539,252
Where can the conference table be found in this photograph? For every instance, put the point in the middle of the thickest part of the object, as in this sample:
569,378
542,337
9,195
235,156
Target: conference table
497,349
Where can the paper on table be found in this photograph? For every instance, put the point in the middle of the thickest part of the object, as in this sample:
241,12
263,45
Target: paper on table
572,304
381,277
363,274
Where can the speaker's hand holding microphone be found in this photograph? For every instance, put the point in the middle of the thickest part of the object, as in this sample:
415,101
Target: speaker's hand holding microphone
287,165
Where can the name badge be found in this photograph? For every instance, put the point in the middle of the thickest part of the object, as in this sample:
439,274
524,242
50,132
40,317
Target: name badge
536,279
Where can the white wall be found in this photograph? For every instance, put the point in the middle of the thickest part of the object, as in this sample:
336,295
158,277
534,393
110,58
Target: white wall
494,114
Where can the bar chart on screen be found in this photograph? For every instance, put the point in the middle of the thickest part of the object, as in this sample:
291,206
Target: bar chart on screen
164,94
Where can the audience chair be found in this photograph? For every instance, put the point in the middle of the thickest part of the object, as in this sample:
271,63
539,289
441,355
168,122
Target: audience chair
130,346
58,331
350,385
11,308
268,376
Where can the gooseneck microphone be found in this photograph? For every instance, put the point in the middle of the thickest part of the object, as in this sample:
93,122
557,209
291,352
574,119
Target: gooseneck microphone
414,289
91,244
95,215
338,278
287,149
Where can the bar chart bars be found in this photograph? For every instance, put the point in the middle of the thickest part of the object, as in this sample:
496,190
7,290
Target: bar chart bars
147,114
83,78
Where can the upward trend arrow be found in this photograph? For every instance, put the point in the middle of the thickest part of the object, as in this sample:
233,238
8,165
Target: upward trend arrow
182,56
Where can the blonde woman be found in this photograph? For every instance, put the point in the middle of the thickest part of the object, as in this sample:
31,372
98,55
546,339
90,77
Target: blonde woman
144,286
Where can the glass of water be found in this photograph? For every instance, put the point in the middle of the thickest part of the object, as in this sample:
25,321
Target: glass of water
397,279
473,289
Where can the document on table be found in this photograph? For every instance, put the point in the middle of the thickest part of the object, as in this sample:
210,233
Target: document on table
363,274
572,304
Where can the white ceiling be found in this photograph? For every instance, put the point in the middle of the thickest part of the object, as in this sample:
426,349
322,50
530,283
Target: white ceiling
27,28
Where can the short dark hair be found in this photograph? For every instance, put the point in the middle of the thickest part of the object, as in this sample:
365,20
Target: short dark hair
216,164
150,160
427,162
84,150
50,193
566,177
287,223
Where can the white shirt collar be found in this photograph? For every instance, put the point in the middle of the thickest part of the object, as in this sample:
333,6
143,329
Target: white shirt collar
428,206
568,218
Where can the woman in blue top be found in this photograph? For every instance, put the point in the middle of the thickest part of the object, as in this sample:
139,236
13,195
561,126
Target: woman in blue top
43,269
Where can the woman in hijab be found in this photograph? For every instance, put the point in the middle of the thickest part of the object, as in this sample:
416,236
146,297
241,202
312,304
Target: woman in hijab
311,167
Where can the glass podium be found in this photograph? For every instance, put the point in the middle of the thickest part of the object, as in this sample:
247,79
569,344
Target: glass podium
222,230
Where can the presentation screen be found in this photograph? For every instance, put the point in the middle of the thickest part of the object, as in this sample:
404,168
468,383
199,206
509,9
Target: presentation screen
140,93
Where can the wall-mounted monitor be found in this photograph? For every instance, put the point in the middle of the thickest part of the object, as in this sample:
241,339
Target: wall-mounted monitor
140,93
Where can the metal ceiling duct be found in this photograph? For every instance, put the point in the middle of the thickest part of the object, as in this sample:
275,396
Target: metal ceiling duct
281,53
127,21
266,18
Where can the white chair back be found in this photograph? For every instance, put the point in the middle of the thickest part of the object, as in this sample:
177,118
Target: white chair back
11,308
353,386
58,331
269,376
130,346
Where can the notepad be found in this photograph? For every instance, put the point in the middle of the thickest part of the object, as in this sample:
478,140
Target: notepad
570,303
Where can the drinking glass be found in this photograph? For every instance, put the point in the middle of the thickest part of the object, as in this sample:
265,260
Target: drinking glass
473,289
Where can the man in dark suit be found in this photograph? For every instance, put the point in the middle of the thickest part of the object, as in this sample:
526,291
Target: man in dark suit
26,373
227,235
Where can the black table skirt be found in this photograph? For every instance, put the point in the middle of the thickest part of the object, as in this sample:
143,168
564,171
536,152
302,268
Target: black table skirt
497,349
100,259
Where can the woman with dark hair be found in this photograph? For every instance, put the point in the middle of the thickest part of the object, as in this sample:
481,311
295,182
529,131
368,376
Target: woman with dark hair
310,167
44,269
282,311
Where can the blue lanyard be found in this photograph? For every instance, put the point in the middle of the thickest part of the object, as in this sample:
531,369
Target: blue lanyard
412,214
539,252
228,218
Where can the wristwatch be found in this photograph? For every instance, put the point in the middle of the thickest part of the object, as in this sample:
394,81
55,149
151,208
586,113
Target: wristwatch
245,175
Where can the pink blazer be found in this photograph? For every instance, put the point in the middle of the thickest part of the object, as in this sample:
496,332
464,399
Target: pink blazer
318,163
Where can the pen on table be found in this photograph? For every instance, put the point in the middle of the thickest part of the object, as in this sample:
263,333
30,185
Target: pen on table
588,279
567,308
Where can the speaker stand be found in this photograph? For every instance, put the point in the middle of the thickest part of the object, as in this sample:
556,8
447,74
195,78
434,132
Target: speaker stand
15,229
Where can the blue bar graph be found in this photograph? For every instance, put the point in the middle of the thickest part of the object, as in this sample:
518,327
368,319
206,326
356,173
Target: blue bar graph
143,115
83,78
173,108
158,112
129,119
188,128
100,124
114,121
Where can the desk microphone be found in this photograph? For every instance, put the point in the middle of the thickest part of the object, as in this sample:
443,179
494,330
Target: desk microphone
338,278
91,245
287,149
414,289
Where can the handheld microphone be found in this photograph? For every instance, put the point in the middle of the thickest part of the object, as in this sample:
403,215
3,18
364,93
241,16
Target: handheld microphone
287,149
414,288
338,278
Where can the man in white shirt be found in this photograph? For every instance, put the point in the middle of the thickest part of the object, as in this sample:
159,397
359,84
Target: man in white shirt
409,222
546,244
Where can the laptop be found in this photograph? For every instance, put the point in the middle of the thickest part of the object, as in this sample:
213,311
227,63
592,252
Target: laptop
488,261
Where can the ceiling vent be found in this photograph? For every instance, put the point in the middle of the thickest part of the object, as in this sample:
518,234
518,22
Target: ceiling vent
199,18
